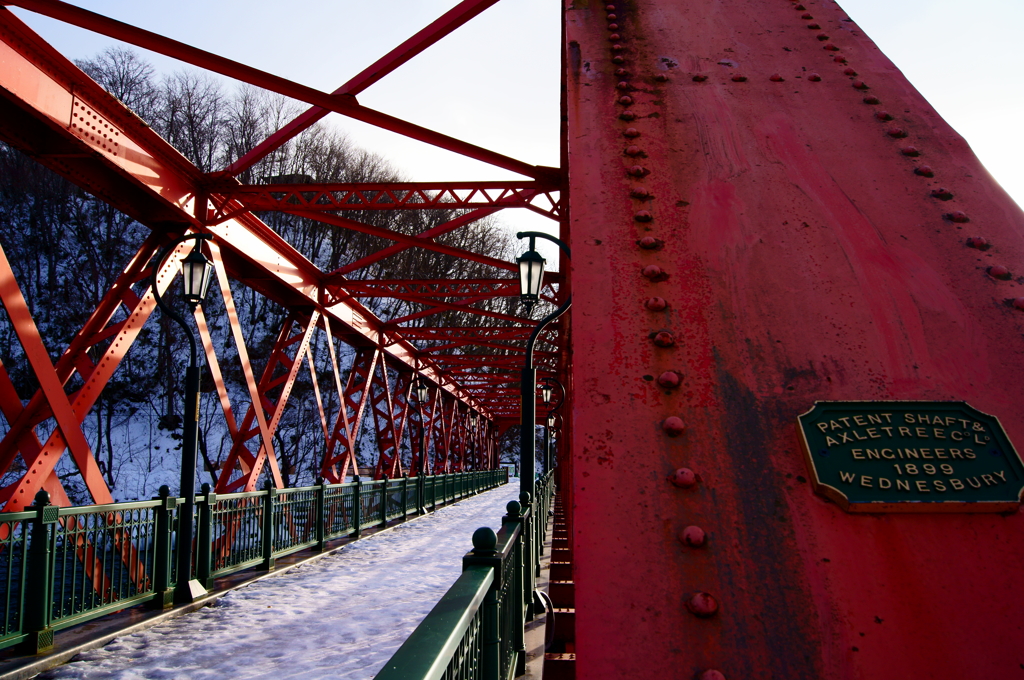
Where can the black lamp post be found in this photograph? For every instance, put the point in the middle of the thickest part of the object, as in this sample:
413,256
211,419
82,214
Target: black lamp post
547,389
196,272
422,394
531,278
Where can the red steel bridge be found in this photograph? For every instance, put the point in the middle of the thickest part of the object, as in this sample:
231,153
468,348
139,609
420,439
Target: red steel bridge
763,214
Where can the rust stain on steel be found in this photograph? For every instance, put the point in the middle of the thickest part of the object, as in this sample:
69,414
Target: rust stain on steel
809,260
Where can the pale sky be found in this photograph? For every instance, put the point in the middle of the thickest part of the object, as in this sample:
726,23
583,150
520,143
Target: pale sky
495,81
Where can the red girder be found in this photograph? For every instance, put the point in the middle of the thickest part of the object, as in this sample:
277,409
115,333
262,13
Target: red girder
393,196
340,453
390,409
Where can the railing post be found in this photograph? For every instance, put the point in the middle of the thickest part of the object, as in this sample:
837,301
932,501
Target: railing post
528,548
357,506
405,496
268,525
518,632
421,494
484,553
39,592
384,503
204,547
320,514
163,595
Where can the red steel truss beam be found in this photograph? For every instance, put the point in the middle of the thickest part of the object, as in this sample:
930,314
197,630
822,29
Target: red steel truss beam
344,104
340,453
146,178
390,408
393,196
448,22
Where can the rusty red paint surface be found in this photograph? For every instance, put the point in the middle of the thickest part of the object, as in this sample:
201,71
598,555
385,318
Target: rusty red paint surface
807,257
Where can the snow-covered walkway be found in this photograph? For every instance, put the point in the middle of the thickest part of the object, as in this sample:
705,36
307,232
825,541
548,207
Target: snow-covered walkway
339,617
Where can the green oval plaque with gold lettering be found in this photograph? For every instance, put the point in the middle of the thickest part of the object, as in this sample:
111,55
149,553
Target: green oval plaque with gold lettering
911,456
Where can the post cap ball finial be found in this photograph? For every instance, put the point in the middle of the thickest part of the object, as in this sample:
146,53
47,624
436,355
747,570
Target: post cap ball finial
524,498
513,508
484,539
42,497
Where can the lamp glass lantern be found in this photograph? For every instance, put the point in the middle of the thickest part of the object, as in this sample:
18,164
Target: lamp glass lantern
422,391
197,270
473,415
531,275
551,421
546,390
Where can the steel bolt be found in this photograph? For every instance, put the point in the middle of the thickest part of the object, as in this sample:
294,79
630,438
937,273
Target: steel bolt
699,78
643,216
664,339
849,72
633,150
653,271
860,84
896,133
693,537
999,272
1018,303
656,304
942,194
684,478
703,605
650,243
661,77
776,78
978,242
627,115
670,380
631,132
958,216
814,78
883,115
871,100
712,674
638,171
738,78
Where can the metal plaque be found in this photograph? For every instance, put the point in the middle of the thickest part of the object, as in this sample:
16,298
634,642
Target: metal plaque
911,456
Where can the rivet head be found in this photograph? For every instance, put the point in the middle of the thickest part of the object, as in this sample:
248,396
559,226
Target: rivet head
623,85
807,17
957,216
699,78
922,170
656,304
661,78
1018,303
621,72
693,537
638,171
614,36
664,339
670,380
652,271
613,27
776,78
610,8
883,115
860,84
942,194
814,78
633,150
643,216
617,47
739,79
839,59
830,47
712,674
849,72
978,242
703,605
871,100
684,478
612,17
631,132
627,115
896,133
799,8
1000,272
625,100
822,37
650,243
640,193
618,59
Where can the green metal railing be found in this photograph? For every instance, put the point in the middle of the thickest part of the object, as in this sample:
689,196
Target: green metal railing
476,631
63,566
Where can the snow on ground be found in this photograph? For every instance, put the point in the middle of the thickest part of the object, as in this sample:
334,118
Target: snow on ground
340,617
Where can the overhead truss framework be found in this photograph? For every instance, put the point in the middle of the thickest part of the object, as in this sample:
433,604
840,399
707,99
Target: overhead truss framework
54,113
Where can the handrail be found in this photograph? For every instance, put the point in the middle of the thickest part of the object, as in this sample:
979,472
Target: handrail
60,567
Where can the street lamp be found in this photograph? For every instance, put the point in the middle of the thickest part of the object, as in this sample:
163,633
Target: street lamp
531,274
422,390
196,273
547,389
